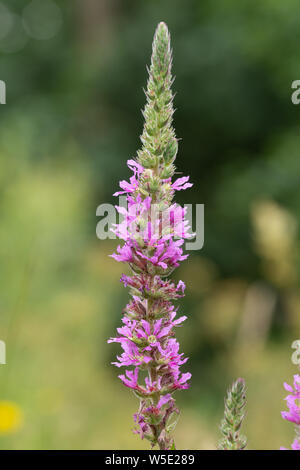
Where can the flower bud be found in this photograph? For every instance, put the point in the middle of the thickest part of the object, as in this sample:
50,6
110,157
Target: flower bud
167,172
147,160
171,151
154,184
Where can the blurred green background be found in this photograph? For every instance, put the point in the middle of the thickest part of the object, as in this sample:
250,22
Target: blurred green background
75,73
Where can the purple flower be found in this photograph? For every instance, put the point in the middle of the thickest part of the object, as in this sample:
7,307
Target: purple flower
150,225
132,356
295,445
130,379
181,183
293,402
132,186
124,254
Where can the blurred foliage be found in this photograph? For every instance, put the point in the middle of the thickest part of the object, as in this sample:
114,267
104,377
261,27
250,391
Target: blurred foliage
70,123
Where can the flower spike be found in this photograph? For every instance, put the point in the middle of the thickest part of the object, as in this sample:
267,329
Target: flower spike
153,230
234,414
293,400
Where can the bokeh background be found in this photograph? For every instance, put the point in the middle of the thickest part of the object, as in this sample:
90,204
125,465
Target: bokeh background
75,73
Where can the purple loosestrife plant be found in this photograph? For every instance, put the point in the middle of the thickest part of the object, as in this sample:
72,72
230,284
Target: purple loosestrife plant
234,414
293,404
153,231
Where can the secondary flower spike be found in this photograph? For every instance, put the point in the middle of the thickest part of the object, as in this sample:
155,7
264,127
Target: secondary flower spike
234,414
153,231
293,415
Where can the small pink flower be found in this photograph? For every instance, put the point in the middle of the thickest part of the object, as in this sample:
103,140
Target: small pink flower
295,445
293,401
132,186
182,183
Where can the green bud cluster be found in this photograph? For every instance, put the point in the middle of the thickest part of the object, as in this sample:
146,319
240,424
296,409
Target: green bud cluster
158,138
234,414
